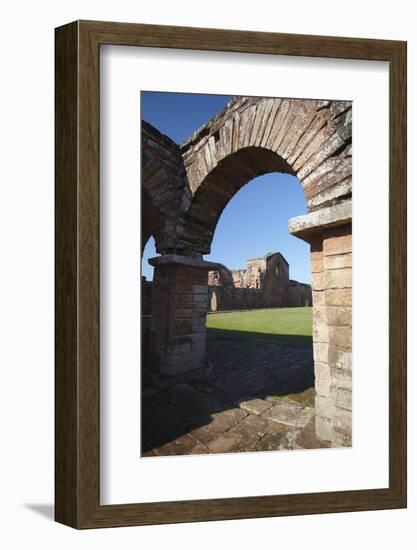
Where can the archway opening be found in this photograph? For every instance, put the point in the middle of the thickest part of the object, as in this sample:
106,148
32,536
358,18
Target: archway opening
259,338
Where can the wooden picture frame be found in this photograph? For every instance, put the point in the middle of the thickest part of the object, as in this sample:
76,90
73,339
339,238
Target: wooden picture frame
77,405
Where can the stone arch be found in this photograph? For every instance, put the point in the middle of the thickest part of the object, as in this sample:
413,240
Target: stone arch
164,188
253,136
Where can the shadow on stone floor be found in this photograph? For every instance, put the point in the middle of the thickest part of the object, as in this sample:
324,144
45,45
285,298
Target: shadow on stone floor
252,384
282,339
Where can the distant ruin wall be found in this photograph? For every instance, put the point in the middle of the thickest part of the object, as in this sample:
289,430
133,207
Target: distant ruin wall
264,283
299,295
223,298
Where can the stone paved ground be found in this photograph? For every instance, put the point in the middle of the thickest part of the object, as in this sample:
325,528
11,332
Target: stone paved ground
260,397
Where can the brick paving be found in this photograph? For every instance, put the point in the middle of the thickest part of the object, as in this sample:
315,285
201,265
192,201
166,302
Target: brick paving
259,397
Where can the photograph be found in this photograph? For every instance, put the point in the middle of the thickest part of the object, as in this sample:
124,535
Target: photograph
209,263
246,273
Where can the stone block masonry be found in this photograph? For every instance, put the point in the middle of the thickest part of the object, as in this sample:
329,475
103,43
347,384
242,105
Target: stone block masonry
331,265
264,283
179,307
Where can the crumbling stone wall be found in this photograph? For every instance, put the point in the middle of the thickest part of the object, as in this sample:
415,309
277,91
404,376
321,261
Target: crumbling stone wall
185,189
264,283
254,136
164,188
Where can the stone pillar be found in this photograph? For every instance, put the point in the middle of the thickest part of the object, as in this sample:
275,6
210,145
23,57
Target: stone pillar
179,307
337,264
329,232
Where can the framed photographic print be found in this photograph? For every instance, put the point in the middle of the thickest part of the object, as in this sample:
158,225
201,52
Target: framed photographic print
230,274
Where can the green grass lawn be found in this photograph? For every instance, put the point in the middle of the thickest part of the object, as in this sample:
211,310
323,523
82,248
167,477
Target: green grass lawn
276,325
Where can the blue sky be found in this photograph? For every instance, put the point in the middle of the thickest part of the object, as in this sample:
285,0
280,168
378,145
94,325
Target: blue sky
255,221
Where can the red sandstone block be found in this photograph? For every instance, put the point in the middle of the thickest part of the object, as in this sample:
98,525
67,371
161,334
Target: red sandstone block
339,316
337,245
316,265
319,298
337,261
338,278
339,297
318,281
340,337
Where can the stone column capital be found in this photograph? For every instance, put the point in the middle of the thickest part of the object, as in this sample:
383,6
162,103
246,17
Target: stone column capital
186,261
310,225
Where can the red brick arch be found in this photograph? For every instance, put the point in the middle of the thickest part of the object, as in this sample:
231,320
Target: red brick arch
253,136
164,188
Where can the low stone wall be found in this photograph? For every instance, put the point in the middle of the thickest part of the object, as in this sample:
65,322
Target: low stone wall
222,298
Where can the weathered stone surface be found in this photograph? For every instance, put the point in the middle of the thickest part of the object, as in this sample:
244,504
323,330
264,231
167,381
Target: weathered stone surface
342,378
250,430
324,428
338,297
221,444
341,440
321,351
180,446
339,316
332,216
343,421
219,424
341,337
205,417
338,278
320,325
256,406
339,358
316,265
272,441
324,406
319,281
337,245
290,414
307,438
340,190
343,398
319,298
337,261
322,379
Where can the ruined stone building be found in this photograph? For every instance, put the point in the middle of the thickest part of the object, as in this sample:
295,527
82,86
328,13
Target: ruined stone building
185,188
264,283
